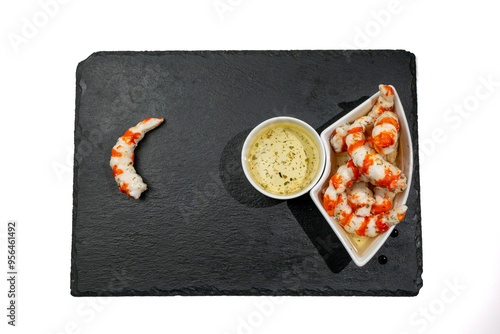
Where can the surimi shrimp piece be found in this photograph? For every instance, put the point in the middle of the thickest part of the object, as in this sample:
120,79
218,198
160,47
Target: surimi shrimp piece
338,140
346,175
360,198
385,134
383,200
122,158
391,157
380,172
369,226
356,142
385,101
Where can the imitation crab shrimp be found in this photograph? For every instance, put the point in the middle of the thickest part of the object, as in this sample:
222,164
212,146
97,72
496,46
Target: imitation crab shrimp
371,142
381,124
370,225
122,158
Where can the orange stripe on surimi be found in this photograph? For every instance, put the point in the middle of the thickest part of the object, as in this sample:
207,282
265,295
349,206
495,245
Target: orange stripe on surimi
130,137
124,188
115,153
389,181
386,109
146,120
381,110
401,216
389,88
384,139
355,172
354,130
355,146
336,181
386,205
362,228
345,220
367,162
381,226
344,145
116,171
329,205
389,120
354,168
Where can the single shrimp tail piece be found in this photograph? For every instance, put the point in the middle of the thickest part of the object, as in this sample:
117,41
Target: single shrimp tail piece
122,158
338,141
369,226
346,175
360,199
383,200
385,101
385,133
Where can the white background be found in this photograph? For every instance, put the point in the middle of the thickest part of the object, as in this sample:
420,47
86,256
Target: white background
457,51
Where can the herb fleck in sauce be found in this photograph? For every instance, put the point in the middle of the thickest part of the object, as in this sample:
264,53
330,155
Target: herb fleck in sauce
283,159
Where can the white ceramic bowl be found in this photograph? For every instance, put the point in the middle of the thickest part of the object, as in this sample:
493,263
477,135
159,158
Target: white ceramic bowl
362,249
276,120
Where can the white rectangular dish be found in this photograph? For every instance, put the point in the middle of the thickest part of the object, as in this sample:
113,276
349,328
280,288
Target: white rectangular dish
362,249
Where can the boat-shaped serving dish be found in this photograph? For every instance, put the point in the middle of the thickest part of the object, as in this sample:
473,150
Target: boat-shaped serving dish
362,249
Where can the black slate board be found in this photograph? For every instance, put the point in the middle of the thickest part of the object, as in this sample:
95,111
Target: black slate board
200,228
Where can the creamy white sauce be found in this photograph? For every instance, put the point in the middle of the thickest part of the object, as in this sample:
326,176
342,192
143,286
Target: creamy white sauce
283,159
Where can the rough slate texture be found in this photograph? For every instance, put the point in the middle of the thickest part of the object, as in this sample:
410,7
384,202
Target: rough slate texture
201,229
